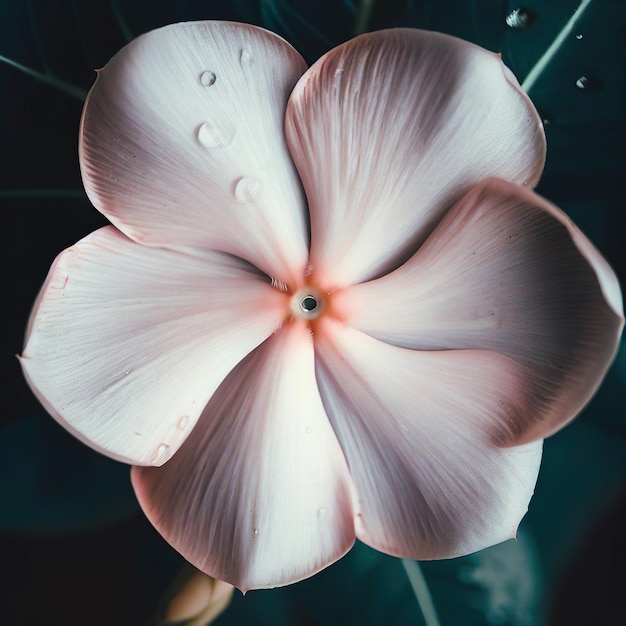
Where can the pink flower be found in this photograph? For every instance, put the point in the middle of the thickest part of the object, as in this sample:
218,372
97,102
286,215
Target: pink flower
369,341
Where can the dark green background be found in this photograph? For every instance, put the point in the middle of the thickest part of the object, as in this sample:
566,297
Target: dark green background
73,547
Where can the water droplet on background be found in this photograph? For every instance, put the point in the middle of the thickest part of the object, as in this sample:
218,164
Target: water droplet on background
247,189
212,136
517,19
579,36
208,78
582,82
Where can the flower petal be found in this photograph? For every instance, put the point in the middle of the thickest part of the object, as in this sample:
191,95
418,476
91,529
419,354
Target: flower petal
506,271
259,495
182,143
126,343
420,432
388,130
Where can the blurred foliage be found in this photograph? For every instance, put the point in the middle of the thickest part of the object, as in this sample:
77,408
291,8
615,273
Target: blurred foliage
64,540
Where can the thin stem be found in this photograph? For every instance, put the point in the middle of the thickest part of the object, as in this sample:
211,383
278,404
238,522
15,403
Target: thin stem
554,47
48,79
420,589
363,17
40,49
270,9
43,194
81,35
121,22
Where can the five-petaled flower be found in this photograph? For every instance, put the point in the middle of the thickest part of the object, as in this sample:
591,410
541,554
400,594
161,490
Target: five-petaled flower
329,305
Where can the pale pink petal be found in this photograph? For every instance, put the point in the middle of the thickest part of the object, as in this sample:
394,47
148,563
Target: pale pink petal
259,495
182,143
420,432
388,130
505,271
126,344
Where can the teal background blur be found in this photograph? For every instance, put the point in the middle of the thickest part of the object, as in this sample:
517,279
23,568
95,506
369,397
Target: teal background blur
74,548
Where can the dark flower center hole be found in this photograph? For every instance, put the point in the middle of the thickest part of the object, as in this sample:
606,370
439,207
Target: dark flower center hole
308,303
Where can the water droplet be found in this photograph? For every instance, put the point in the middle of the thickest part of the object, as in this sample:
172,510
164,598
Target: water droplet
127,372
208,78
517,19
247,189
579,36
582,82
212,136
321,512
245,57
162,453
255,531
183,422
308,430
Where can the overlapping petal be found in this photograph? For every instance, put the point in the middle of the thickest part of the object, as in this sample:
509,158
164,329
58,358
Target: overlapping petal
259,495
127,343
420,432
182,144
388,130
505,271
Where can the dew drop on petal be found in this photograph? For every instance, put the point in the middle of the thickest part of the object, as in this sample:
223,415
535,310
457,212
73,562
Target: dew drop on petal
245,57
247,189
321,512
162,454
308,430
183,422
255,531
212,136
208,78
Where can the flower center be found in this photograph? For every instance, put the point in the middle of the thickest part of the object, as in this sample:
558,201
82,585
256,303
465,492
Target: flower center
307,303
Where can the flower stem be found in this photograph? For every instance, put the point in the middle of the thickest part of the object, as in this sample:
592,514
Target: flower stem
40,49
554,47
48,79
420,589
363,17
121,22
